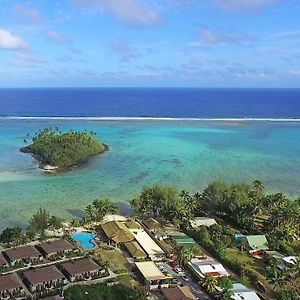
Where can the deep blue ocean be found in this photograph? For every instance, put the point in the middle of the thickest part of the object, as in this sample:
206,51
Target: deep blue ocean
151,102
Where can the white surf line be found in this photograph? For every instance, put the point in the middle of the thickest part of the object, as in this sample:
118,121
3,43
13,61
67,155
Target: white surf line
149,119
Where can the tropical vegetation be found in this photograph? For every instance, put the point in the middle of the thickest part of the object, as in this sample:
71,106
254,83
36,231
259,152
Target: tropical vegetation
64,150
103,292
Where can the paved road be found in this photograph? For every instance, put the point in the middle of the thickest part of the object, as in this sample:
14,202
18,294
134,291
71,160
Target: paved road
195,288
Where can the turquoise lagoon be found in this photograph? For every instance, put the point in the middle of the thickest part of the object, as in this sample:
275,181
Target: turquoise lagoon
185,154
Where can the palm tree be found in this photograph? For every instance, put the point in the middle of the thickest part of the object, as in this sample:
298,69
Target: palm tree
209,283
185,255
103,207
258,186
226,294
184,195
294,270
276,277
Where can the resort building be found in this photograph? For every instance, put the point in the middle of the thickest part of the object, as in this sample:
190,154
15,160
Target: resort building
198,221
46,278
135,250
241,292
208,267
132,225
3,262
255,244
287,261
151,274
153,251
56,247
117,232
10,286
178,293
151,224
184,241
23,254
81,269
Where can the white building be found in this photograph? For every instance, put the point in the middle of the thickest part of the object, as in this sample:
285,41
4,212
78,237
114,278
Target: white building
153,251
208,267
198,221
287,261
241,292
153,277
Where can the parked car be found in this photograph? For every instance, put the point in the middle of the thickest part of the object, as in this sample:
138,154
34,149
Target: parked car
173,264
174,281
185,278
178,270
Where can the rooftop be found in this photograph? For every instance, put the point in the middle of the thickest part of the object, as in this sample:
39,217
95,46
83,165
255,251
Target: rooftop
77,267
184,241
22,252
151,224
208,266
55,246
150,271
178,293
198,221
2,260
147,243
9,282
135,249
41,275
241,292
257,242
117,232
131,224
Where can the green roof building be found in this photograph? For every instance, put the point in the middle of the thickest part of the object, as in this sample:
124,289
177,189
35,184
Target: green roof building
184,241
255,243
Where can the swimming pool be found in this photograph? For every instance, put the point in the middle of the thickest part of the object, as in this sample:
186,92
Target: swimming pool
85,239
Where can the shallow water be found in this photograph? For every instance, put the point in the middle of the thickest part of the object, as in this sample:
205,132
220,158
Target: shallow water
186,154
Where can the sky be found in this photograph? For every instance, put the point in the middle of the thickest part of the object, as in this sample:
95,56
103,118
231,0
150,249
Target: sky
149,43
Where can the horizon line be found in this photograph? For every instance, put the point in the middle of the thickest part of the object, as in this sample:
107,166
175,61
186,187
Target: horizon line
97,118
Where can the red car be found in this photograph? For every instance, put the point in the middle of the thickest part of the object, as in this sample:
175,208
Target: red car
173,264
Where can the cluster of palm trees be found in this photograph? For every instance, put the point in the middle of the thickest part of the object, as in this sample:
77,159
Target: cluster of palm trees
219,288
65,149
164,201
286,279
95,212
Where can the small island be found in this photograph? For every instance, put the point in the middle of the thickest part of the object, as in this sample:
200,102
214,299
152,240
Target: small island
61,151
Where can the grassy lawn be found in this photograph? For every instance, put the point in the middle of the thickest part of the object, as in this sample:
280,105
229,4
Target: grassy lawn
247,260
115,259
100,292
127,280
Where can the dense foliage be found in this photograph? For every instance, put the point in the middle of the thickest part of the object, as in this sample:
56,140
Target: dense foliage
42,221
64,150
162,201
247,206
103,292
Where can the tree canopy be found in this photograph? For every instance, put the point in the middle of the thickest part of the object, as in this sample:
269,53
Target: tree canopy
64,150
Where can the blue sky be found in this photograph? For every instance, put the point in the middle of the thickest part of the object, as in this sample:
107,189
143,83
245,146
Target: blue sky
198,43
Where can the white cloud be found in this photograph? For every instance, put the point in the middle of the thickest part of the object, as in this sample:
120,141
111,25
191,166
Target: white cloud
124,49
28,13
58,38
214,38
129,11
295,72
244,4
10,41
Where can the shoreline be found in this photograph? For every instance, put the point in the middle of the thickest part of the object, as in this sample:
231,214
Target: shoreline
95,118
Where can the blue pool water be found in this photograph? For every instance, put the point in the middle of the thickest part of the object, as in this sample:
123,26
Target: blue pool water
85,239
